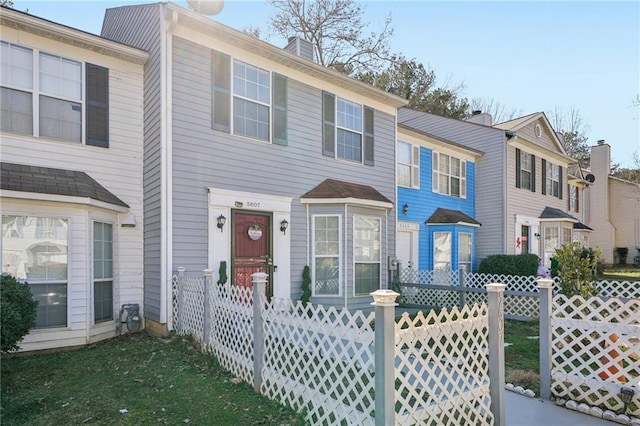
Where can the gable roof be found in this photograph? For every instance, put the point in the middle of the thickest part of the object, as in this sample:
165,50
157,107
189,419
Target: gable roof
45,180
445,216
518,123
337,189
472,151
551,213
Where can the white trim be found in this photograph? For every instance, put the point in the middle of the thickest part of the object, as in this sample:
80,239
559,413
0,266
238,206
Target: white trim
313,256
221,202
69,199
353,250
350,200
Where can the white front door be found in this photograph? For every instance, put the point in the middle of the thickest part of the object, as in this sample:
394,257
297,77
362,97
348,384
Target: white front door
407,249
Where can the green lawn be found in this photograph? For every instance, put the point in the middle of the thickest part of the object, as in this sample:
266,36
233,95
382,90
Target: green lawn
620,273
134,379
522,357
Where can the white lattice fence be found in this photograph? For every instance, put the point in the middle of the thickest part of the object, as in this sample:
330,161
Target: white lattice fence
619,289
428,296
596,350
442,375
231,335
437,277
188,305
320,360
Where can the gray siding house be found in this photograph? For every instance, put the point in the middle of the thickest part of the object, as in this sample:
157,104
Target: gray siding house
520,180
260,158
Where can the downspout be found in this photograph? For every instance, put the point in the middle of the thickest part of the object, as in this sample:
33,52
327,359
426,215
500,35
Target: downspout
170,20
508,135
345,257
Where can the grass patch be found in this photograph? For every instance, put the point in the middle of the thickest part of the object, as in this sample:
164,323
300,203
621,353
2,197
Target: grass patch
622,273
154,381
522,357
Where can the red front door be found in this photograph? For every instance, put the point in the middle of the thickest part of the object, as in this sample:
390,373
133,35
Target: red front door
251,247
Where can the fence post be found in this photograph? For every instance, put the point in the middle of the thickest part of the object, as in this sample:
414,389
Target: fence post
259,280
495,301
208,283
385,304
461,287
545,290
180,295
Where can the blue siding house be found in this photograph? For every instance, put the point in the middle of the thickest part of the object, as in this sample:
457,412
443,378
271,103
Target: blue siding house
436,202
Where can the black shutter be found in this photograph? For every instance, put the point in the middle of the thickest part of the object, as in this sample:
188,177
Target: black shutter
279,116
577,199
328,124
97,133
533,173
560,185
221,91
544,176
517,168
368,136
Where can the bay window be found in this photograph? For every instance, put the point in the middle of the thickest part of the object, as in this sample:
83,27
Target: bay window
326,255
102,272
366,247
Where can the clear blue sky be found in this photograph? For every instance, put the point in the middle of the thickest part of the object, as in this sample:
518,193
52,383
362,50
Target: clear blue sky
531,56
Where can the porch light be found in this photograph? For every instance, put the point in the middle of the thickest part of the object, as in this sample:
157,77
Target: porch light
626,395
536,235
283,226
405,208
221,221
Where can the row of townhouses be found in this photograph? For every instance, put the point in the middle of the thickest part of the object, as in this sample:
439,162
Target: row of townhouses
172,141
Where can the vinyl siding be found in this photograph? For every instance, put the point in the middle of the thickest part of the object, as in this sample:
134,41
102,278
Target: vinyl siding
546,140
624,197
203,157
489,172
117,168
139,26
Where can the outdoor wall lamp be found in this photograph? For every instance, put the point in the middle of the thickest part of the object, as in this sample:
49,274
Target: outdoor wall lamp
405,208
221,221
283,226
536,235
626,395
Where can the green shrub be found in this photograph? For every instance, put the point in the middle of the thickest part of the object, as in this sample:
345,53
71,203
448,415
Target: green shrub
222,272
18,312
509,264
576,272
306,285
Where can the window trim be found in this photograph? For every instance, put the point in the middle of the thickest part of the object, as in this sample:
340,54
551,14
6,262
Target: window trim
95,280
548,187
369,262
85,104
414,166
436,160
470,262
338,256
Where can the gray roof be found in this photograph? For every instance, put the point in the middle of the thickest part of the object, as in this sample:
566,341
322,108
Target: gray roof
45,180
582,226
553,213
331,188
446,216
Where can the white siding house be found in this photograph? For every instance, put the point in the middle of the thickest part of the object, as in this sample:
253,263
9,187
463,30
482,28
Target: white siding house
71,188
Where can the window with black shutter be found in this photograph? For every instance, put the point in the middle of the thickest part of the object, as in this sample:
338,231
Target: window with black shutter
97,106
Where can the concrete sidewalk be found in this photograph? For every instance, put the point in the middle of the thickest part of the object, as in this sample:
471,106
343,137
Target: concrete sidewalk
524,411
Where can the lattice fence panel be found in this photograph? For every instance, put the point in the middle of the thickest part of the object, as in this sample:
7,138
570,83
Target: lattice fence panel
442,376
525,283
522,306
596,350
189,308
320,360
231,336
619,289
426,296
437,277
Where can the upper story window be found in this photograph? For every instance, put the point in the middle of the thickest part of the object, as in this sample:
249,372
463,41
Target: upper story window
525,170
449,175
408,165
42,96
347,130
553,179
253,103
574,205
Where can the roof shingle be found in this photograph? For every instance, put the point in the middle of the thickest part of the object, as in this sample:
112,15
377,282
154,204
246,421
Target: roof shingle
332,188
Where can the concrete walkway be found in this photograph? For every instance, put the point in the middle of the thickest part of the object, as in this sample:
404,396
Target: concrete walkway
524,411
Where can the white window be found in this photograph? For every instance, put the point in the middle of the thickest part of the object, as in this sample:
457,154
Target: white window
251,101
349,130
552,179
366,246
464,252
551,243
526,170
326,255
449,175
442,251
567,235
573,199
408,165
102,272
42,96
34,250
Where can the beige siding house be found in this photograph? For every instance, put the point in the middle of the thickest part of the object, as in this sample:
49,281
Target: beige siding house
71,185
613,208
